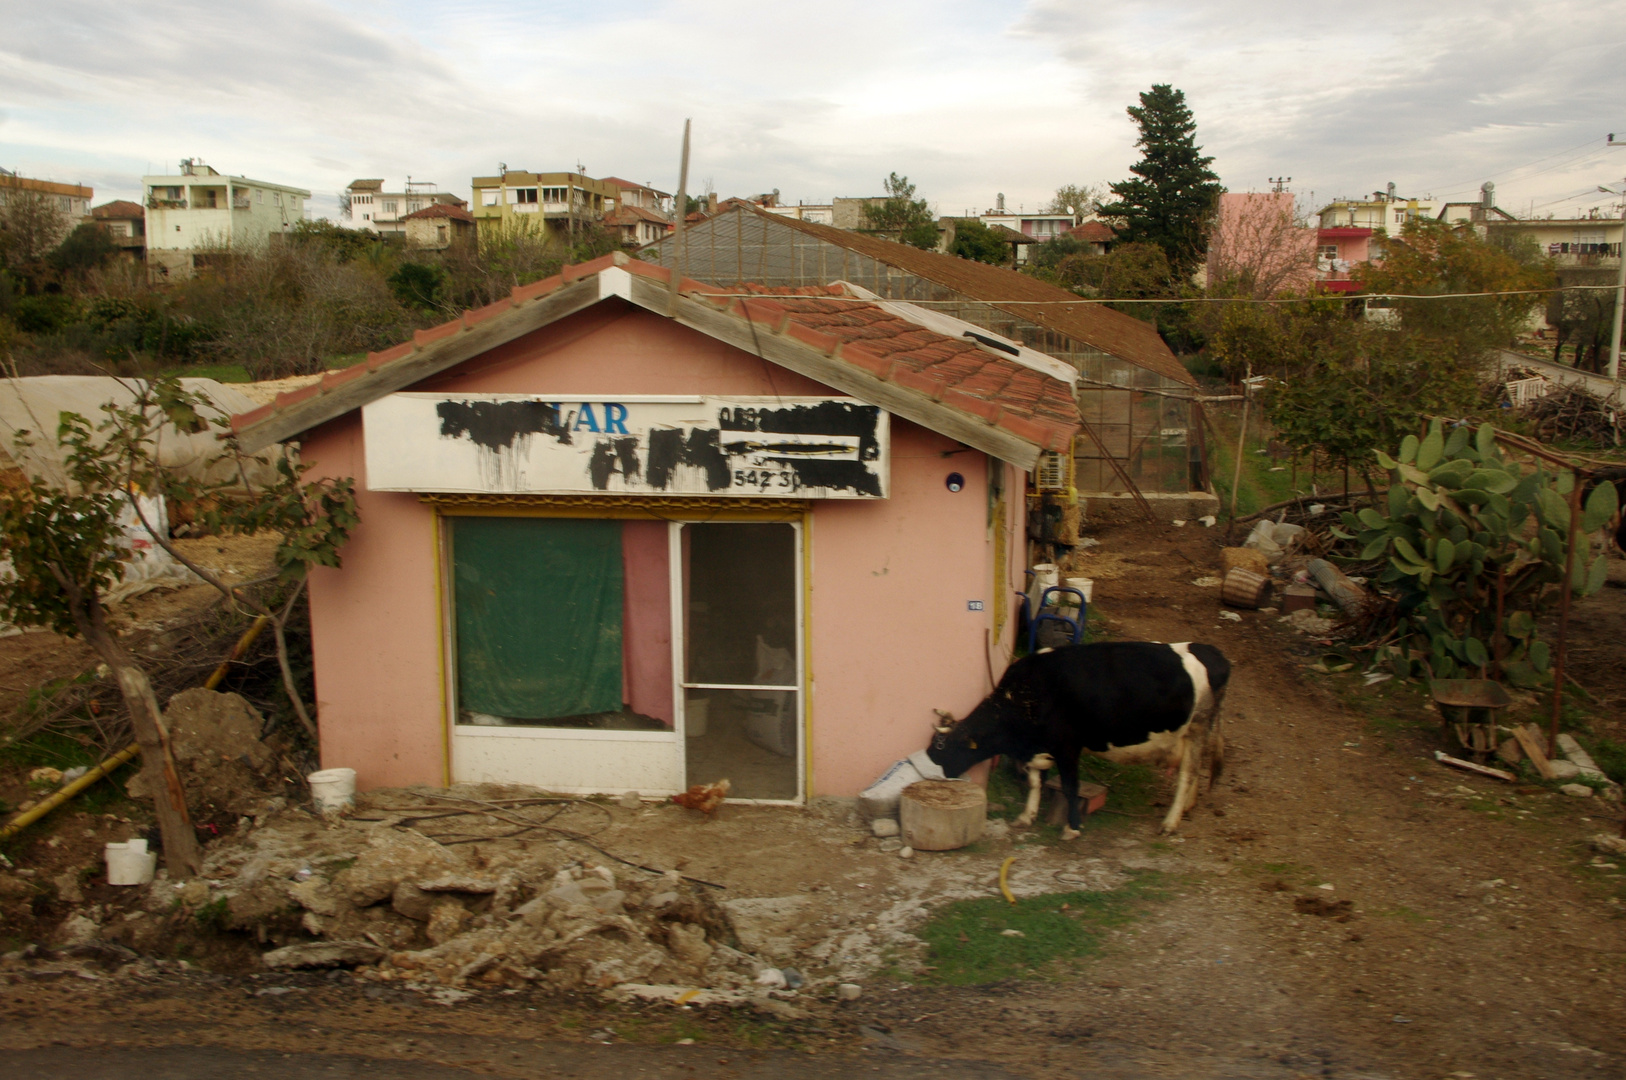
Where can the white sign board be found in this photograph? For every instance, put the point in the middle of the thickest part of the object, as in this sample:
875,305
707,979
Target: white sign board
803,448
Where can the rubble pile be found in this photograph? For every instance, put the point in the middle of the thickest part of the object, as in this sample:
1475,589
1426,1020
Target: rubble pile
399,906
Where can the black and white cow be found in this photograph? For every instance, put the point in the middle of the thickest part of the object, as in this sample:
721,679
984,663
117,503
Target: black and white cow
1124,700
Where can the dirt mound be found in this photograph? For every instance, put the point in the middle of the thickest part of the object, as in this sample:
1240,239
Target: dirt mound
227,771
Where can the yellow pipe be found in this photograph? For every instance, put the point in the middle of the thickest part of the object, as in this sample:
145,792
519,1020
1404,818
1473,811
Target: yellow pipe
28,817
33,814
1004,883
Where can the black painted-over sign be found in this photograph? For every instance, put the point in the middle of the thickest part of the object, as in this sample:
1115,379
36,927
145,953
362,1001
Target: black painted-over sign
804,448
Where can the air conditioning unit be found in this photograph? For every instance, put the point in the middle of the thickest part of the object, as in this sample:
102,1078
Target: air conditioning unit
1054,472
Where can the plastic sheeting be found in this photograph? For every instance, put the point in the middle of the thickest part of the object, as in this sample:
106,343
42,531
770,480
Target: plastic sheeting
35,404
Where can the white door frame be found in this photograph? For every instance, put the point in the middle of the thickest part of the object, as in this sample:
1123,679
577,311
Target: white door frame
680,687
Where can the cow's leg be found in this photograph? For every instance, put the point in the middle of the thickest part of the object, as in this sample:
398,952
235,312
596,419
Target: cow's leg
1185,788
1036,766
1068,772
1216,742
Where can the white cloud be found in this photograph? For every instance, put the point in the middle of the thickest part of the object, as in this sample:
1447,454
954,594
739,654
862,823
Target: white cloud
967,98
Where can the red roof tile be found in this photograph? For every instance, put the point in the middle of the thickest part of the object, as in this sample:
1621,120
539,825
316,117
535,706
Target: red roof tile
440,210
1092,232
961,375
1026,297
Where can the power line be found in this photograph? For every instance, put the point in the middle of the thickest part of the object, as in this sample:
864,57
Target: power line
1154,300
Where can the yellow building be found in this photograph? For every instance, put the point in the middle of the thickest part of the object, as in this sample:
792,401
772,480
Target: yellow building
556,201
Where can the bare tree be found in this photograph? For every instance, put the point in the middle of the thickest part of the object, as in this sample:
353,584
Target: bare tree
34,224
1260,246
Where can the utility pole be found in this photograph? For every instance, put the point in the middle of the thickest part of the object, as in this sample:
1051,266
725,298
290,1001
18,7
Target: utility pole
1279,183
1620,287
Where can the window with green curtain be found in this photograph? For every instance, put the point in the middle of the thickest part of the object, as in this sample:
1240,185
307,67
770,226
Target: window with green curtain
538,616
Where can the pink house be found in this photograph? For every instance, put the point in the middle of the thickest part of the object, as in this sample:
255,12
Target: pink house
616,535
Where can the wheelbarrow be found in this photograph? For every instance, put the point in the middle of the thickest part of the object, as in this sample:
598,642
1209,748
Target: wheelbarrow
1469,708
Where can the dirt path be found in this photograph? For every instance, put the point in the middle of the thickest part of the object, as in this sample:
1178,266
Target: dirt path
1478,940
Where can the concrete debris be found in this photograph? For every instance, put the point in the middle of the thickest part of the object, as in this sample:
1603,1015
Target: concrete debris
1306,621
323,954
399,907
884,827
1608,845
849,991
1579,791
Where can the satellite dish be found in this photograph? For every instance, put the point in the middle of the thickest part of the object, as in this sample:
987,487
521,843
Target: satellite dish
1070,210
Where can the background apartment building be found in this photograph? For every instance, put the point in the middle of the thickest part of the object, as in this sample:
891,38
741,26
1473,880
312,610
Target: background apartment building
556,201
376,210
70,201
199,213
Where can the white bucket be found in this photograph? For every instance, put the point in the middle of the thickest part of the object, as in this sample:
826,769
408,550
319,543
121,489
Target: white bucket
333,790
695,714
130,863
1084,585
1045,576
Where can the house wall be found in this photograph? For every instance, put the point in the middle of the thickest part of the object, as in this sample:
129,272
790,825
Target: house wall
892,636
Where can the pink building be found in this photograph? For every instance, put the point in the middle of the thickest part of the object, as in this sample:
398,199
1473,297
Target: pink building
1258,244
615,536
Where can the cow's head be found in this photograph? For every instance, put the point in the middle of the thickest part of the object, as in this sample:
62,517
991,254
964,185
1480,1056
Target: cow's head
958,745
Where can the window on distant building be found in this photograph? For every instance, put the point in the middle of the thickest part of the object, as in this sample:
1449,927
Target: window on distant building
525,195
488,196
1327,251
440,231
390,206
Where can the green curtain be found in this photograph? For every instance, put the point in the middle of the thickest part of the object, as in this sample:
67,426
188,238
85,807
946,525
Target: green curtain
538,616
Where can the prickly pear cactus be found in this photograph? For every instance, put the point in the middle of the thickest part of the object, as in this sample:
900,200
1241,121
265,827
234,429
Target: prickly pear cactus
1475,544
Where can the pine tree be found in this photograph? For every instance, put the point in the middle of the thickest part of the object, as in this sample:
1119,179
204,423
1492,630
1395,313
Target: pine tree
1170,200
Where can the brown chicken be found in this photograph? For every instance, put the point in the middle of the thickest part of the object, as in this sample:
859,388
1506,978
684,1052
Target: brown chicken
705,798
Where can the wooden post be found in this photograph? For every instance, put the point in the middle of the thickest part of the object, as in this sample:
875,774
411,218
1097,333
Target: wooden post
1564,615
1241,448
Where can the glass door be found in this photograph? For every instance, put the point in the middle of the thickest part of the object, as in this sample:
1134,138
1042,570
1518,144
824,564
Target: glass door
739,652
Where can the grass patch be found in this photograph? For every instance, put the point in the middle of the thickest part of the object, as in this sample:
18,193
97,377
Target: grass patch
1131,789
966,944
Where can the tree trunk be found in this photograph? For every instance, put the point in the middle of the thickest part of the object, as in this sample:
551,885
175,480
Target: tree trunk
182,857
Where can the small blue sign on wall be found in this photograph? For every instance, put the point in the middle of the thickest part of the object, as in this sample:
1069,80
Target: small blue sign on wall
973,605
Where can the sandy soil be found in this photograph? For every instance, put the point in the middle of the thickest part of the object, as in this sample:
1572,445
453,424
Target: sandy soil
1484,938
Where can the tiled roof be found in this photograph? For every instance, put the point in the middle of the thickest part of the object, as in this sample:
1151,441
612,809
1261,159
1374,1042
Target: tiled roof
1021,295
118,208
630,215
440,210
366,185
952,379
1010,235
1092,232
957,371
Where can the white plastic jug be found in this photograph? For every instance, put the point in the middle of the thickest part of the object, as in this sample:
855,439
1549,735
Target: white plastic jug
130,863
333,790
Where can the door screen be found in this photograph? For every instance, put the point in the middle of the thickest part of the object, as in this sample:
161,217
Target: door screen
741,657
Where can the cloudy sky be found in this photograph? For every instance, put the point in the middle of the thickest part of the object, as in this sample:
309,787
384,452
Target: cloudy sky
967,98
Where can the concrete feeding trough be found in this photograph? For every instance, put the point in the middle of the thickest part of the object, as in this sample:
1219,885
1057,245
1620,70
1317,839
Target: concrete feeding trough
941,815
